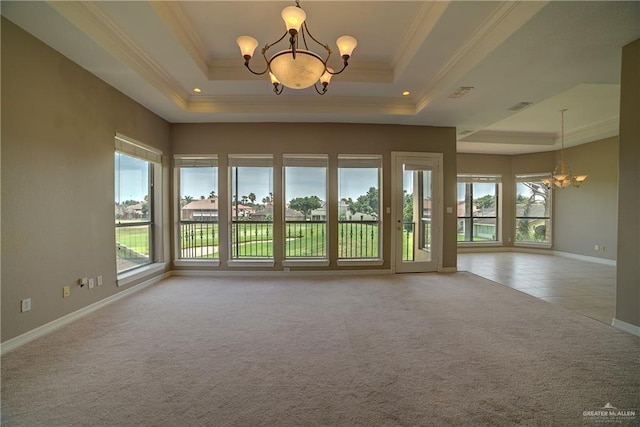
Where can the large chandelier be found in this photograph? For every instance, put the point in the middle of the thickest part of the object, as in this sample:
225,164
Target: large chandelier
562,176
297,67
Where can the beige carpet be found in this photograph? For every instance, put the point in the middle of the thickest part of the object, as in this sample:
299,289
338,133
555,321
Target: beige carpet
404,350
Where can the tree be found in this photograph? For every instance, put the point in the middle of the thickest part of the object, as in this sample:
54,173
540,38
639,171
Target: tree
485,202
305,204
367,203
266,200
252,197
186,200
407,210
212,195
244,200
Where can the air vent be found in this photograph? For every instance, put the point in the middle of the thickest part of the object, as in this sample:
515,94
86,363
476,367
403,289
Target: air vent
519,106
462,91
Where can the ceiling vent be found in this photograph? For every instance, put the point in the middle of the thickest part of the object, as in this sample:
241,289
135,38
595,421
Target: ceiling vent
519,106
462,91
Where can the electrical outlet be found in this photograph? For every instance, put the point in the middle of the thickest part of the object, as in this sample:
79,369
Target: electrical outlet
92,282
84,281
596,248
99,281
602,248
26,305
66,291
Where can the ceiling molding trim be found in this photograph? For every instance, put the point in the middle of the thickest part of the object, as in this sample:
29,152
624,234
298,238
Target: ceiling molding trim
299,105
505,137
508,17
426,19
88,18
177,21
593,132
358,72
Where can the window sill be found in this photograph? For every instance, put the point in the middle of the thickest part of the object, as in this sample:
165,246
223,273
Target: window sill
532,245
306,263
251,263
196,263
359,262
474,244
129,277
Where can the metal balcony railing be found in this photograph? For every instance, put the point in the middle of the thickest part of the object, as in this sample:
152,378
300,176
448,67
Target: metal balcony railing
305,239
251,239
358,239
199,240
133,245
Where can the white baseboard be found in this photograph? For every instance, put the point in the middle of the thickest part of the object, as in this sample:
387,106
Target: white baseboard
597,260
626,327
43,330
448,270
275,273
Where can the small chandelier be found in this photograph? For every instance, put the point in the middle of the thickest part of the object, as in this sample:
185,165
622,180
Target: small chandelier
294,67
562,176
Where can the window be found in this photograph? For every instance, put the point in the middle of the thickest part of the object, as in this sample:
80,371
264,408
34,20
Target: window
198,231
533,210
305,211
359,207
251,206
477,207
134,203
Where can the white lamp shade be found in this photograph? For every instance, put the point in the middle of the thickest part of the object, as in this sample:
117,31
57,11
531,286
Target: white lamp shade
346,44
326,77
293,17
299,73
247,45
273,79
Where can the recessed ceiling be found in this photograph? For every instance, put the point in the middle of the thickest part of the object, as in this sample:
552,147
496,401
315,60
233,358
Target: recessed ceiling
552,54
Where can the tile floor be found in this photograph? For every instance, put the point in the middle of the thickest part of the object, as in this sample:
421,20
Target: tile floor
582,286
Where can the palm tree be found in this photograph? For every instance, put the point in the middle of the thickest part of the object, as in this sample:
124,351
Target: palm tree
252,197
186,200
212,195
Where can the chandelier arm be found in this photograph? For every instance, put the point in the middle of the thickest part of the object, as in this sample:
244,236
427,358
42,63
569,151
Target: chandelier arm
277,89
345,64
324,88
325,46
246,64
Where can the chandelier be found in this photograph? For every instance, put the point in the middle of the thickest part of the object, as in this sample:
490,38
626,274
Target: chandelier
562,176
297,67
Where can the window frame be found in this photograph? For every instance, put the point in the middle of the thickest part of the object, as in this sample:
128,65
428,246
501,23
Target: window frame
140,151
305,160
368,161
468,180
248,160
180,162
538,178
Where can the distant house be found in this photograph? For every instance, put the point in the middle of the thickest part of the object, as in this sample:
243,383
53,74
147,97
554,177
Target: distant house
344,214
207,210
201,210
266,214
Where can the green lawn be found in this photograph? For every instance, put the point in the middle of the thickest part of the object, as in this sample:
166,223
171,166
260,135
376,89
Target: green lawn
256,240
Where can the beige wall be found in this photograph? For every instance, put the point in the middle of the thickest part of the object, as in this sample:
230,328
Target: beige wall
582,217
331,139
58,126
628,265
586,216
508,167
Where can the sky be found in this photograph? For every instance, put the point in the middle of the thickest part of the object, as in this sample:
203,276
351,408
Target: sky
299,182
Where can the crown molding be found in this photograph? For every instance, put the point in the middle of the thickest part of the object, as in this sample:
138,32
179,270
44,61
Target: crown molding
88,18
593,132
508,137
177,21
508,17
361,72
300,104
426,19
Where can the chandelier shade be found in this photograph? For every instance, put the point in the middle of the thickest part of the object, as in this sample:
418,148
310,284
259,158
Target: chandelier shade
562,176
300,72
297,67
